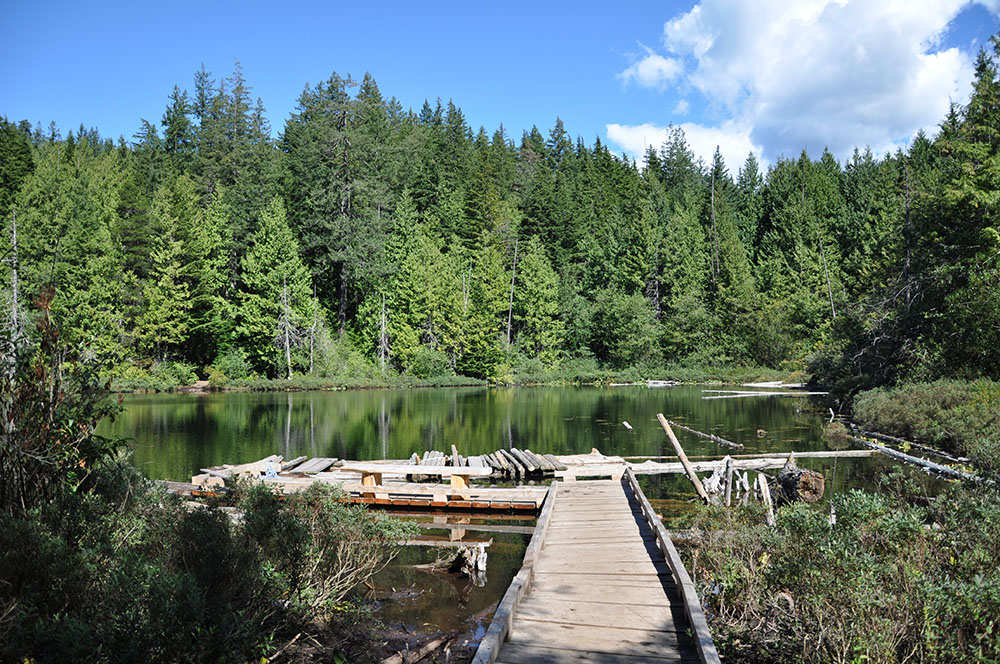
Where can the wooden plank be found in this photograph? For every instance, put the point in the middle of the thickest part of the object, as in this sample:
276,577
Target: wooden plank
502,460
288,465
597,639
517,468
539,654
531,468
455,457
590,567
317,465
650,618
558,465
692,605
608,588
407,469
503,617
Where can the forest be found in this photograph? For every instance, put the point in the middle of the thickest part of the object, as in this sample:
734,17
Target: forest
365,238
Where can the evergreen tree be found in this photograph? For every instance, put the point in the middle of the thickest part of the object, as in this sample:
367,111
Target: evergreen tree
276,297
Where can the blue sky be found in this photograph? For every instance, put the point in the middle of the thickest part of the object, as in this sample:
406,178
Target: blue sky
745,75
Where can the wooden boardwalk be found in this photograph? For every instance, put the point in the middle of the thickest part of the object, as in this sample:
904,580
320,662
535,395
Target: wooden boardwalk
598,586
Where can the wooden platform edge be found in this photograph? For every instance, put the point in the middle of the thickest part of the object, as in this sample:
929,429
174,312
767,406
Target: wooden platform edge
704,642
503,617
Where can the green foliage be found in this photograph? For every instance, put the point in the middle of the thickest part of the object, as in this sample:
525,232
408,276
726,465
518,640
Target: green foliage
889,582
427,362
276,298
622,328
958,416
51,400
399,230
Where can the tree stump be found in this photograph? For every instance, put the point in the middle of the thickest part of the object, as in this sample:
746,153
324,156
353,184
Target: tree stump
793,484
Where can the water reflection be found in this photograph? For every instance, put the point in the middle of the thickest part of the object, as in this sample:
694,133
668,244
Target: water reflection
176,434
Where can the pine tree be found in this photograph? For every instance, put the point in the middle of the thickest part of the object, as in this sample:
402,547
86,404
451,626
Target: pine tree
276,296
539,329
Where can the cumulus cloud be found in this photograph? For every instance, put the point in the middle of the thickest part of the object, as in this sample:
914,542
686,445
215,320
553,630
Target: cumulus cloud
652,71
682,107
733,141
821,73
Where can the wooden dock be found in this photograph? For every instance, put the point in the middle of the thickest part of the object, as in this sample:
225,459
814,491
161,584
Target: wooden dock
601,582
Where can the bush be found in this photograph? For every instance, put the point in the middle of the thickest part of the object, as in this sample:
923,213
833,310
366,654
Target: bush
958,416
232,364
893,580
427,362
125,570
99,564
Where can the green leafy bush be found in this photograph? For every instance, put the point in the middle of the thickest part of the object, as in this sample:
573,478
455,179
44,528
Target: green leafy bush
427,362
960,416
98,564
233,364
893,580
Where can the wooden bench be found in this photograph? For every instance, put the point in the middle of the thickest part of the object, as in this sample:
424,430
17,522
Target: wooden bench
371,473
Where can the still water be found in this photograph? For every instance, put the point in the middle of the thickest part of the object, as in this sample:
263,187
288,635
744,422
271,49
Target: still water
174,435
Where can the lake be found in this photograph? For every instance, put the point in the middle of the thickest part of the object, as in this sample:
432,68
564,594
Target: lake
174,435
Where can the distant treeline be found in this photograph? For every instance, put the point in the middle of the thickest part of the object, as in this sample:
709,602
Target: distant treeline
367,238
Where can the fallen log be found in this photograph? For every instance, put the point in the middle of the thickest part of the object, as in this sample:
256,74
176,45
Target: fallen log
713,438
929,466
684,460
411,656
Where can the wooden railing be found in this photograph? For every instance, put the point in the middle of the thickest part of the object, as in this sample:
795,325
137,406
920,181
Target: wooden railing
704,643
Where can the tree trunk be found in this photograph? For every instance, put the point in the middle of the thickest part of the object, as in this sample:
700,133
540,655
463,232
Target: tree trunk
510,307
793,484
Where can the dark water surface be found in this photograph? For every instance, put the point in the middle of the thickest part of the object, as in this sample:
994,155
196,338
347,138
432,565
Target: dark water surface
174,435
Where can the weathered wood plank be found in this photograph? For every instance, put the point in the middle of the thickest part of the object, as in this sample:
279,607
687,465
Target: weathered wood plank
595,613
317,465
539,654
598,639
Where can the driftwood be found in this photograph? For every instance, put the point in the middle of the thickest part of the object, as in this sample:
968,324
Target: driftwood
684,460
929,466
411,656
765,495
923,448
716,439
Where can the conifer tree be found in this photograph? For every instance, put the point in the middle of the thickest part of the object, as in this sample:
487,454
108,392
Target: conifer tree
276,296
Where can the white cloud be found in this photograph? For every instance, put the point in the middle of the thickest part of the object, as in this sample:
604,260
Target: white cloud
652,71
816,73
732,140
682,107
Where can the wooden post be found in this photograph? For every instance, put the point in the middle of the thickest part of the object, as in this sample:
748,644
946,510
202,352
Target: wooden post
765,496
729,482
683,457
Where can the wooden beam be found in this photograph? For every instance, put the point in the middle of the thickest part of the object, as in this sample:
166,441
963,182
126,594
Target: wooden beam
683,457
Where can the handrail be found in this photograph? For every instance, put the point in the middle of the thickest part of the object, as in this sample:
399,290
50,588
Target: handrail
503,617
704,643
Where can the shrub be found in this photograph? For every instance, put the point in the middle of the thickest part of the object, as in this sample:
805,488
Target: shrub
959,416
427,362
232,364
893,580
